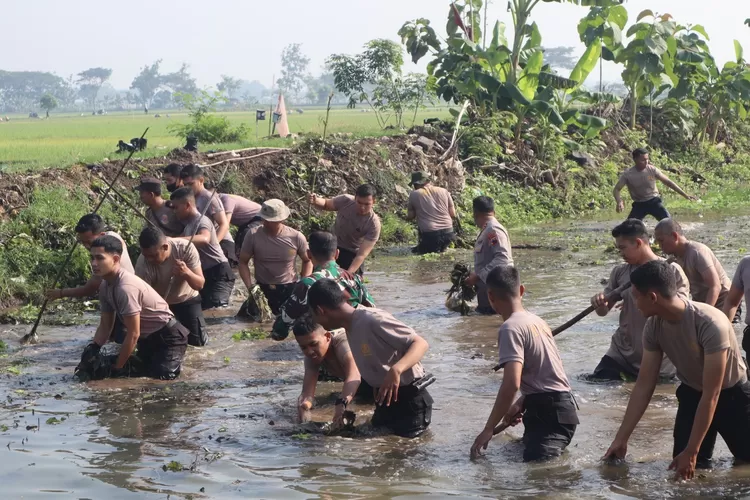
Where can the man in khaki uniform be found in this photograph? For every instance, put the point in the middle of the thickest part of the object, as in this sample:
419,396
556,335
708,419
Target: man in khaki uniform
357,226
740,286
274,248
626,349
171,176
388,355
219,278
173,268
192,177
531,363
434,210
713,396
158,212
330,352
492,249
709,284
243,214
641,183
150,325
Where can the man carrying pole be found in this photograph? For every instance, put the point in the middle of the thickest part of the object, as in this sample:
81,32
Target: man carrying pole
171,260
219,278
158,212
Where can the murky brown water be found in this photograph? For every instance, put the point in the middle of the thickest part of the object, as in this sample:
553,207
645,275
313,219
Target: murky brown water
118,434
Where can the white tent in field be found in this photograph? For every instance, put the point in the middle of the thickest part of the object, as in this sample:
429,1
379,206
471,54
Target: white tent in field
282,126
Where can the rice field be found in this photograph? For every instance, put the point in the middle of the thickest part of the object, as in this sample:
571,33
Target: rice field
66,139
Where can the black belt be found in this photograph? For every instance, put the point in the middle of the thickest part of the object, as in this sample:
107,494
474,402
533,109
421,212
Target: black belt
555,397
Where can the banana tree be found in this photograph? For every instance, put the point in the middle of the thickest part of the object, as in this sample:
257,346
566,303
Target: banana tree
601,32
501,77
647,71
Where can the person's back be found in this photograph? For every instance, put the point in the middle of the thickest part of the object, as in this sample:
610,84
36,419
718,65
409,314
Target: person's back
432,206
697,259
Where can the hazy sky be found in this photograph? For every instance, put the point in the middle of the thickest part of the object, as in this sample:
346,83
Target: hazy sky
244,38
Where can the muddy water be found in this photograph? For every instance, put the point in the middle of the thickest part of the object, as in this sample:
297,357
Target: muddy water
229,421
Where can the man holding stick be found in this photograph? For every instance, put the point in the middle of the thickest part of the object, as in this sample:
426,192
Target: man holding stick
626,349
531,362
219,278
160,215
242,213
714,394
192,177
170,260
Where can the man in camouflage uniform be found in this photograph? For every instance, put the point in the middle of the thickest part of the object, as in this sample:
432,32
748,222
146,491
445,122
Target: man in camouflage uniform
323,252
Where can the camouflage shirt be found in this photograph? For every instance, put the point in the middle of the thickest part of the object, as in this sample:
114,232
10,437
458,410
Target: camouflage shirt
296,305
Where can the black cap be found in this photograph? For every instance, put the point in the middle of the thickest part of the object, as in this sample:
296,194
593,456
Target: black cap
149,185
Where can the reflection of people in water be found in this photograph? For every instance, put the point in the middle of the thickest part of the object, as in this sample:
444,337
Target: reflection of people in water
150,324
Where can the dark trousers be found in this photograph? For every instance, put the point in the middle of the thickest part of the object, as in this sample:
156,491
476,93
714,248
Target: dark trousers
162,352
190,314
731,421
230,252
609,369
549,421
276,295
435,241
652,207
346,257
218,287
409,416
746,339
483,301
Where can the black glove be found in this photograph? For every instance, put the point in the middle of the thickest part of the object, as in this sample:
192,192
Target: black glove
90,352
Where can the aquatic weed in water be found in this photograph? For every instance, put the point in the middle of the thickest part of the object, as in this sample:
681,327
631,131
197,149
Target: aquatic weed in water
251,334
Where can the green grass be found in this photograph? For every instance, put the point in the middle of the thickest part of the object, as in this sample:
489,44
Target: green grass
66,139
251,334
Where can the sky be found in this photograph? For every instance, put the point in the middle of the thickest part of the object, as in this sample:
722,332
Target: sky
244,38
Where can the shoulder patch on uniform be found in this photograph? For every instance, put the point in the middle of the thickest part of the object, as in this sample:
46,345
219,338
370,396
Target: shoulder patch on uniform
493,238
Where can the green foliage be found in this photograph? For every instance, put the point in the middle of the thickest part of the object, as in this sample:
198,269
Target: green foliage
3,347
251,334
206,127
173,466
394,229
48,102
53,421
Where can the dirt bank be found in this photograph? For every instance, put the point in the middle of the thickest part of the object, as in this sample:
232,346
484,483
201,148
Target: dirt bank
338,166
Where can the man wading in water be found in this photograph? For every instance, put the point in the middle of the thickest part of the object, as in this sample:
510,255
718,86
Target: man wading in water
357,227
388,355
322,254
170,260
492,249
714,394
158,212
640,180
219,277
433,208
531,362
274,248
328,351
623,358
709,283
150,325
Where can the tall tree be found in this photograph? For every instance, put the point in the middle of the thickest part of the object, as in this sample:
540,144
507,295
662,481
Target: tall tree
147,83
180,81
293,70
22,90
229,85
91,80
48,103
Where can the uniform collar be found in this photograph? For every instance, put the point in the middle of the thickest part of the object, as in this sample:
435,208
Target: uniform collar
328,266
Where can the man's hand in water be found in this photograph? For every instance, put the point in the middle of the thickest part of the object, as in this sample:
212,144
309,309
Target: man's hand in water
303,411
338,416
617,451
684,465
481,442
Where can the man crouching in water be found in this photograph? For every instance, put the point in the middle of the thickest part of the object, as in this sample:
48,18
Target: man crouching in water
388,355
330,352
160,338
